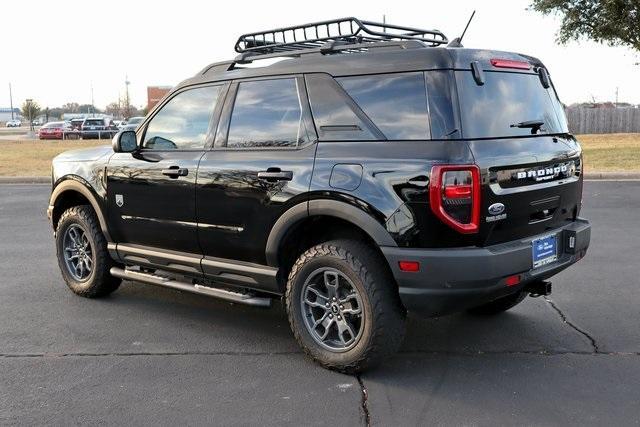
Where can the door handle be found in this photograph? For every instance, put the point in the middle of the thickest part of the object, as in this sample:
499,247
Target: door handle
274,174
175,172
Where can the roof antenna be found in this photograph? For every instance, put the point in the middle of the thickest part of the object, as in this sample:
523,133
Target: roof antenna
457,42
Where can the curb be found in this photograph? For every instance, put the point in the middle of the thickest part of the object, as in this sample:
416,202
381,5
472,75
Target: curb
612,175
25,180
589,175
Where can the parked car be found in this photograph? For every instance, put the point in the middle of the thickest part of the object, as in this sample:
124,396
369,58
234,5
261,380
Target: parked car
93,128
76,124
36,122
131,124
57,130
14,123
385,171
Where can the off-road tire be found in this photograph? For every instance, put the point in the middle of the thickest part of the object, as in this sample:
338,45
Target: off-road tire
500,305
100,282
383,324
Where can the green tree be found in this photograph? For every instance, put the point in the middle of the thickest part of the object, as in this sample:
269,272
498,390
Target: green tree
30,110
615,22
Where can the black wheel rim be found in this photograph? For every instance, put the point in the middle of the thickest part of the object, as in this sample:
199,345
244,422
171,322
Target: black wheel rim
78,253
332,309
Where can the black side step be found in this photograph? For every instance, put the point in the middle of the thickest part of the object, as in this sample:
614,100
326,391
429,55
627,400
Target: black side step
153,279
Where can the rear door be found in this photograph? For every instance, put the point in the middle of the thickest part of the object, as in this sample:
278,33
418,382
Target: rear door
151,194
531,166
260,166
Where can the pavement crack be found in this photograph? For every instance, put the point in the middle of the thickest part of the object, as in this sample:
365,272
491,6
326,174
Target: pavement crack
565,319
364,403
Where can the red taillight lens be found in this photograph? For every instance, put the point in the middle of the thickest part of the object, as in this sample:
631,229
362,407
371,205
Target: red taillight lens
509,63
457,191
454,194
410,266
512,280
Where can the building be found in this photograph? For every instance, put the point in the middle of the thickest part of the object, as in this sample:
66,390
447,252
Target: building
155,94
5,114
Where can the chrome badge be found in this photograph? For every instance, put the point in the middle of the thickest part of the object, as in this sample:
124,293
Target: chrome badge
119,200
496,209
496,212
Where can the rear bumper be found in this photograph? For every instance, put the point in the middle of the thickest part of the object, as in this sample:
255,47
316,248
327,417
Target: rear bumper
453,280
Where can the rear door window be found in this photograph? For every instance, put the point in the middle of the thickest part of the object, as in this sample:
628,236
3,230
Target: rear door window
267,113
506,99
395,103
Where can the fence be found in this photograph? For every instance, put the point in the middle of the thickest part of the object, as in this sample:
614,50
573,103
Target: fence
603,120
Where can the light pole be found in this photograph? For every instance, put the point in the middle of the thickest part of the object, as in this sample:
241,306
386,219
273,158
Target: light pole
11,101
126,97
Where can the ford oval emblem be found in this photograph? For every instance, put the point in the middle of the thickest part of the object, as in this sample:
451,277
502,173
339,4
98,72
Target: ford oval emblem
496,209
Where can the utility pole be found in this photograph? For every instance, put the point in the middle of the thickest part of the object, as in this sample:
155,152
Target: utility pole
126,97
11,101
93,108
617,97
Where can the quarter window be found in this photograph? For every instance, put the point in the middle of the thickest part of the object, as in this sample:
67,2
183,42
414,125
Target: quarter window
267,113
336,116
395,103
183,123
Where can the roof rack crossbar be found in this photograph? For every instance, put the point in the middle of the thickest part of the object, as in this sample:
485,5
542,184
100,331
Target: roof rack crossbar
350,30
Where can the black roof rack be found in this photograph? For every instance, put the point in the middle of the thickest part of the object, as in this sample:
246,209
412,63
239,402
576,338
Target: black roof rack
328,33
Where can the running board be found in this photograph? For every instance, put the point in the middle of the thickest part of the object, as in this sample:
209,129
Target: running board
152,279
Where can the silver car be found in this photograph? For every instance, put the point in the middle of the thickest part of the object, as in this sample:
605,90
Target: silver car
132,124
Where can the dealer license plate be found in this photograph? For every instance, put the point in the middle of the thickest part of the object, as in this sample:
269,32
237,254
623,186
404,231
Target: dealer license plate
544,250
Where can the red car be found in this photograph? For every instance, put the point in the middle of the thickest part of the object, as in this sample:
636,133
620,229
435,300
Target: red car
57,130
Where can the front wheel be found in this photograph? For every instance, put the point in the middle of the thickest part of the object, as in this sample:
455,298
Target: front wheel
343,306
82,253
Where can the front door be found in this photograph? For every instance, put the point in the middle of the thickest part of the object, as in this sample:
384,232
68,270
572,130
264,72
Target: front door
151,193
260,166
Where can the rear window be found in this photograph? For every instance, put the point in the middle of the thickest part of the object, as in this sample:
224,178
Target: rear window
93,122
395,103
504,100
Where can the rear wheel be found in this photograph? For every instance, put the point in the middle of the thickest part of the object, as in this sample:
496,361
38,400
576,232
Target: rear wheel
82,253
499,305
343,306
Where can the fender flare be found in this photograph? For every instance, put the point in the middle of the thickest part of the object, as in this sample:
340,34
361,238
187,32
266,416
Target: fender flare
324,207
75,184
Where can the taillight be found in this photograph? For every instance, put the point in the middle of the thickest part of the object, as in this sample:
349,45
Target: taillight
454,194
509,63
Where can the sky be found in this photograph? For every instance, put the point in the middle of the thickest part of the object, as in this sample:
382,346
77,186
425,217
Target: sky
64,48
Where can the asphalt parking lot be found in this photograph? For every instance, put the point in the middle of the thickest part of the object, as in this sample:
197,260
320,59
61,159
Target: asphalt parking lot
153,356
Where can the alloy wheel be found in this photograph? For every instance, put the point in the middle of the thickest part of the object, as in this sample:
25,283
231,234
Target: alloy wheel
332,309
78,254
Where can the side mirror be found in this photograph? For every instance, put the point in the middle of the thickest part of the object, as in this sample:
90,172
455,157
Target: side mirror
125,142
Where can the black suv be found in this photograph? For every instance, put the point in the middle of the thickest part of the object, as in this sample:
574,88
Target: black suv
98,128
374,169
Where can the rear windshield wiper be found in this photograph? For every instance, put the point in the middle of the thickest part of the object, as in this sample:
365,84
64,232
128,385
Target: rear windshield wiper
534,125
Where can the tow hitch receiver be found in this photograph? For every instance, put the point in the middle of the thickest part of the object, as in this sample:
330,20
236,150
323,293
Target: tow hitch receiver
539,289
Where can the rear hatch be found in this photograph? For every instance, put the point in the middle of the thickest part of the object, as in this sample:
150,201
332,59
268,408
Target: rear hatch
530,165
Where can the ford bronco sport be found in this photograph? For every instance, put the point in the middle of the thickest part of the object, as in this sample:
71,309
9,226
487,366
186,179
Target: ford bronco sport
372,170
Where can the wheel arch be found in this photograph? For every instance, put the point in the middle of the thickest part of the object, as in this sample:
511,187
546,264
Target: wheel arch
338,211
74,192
